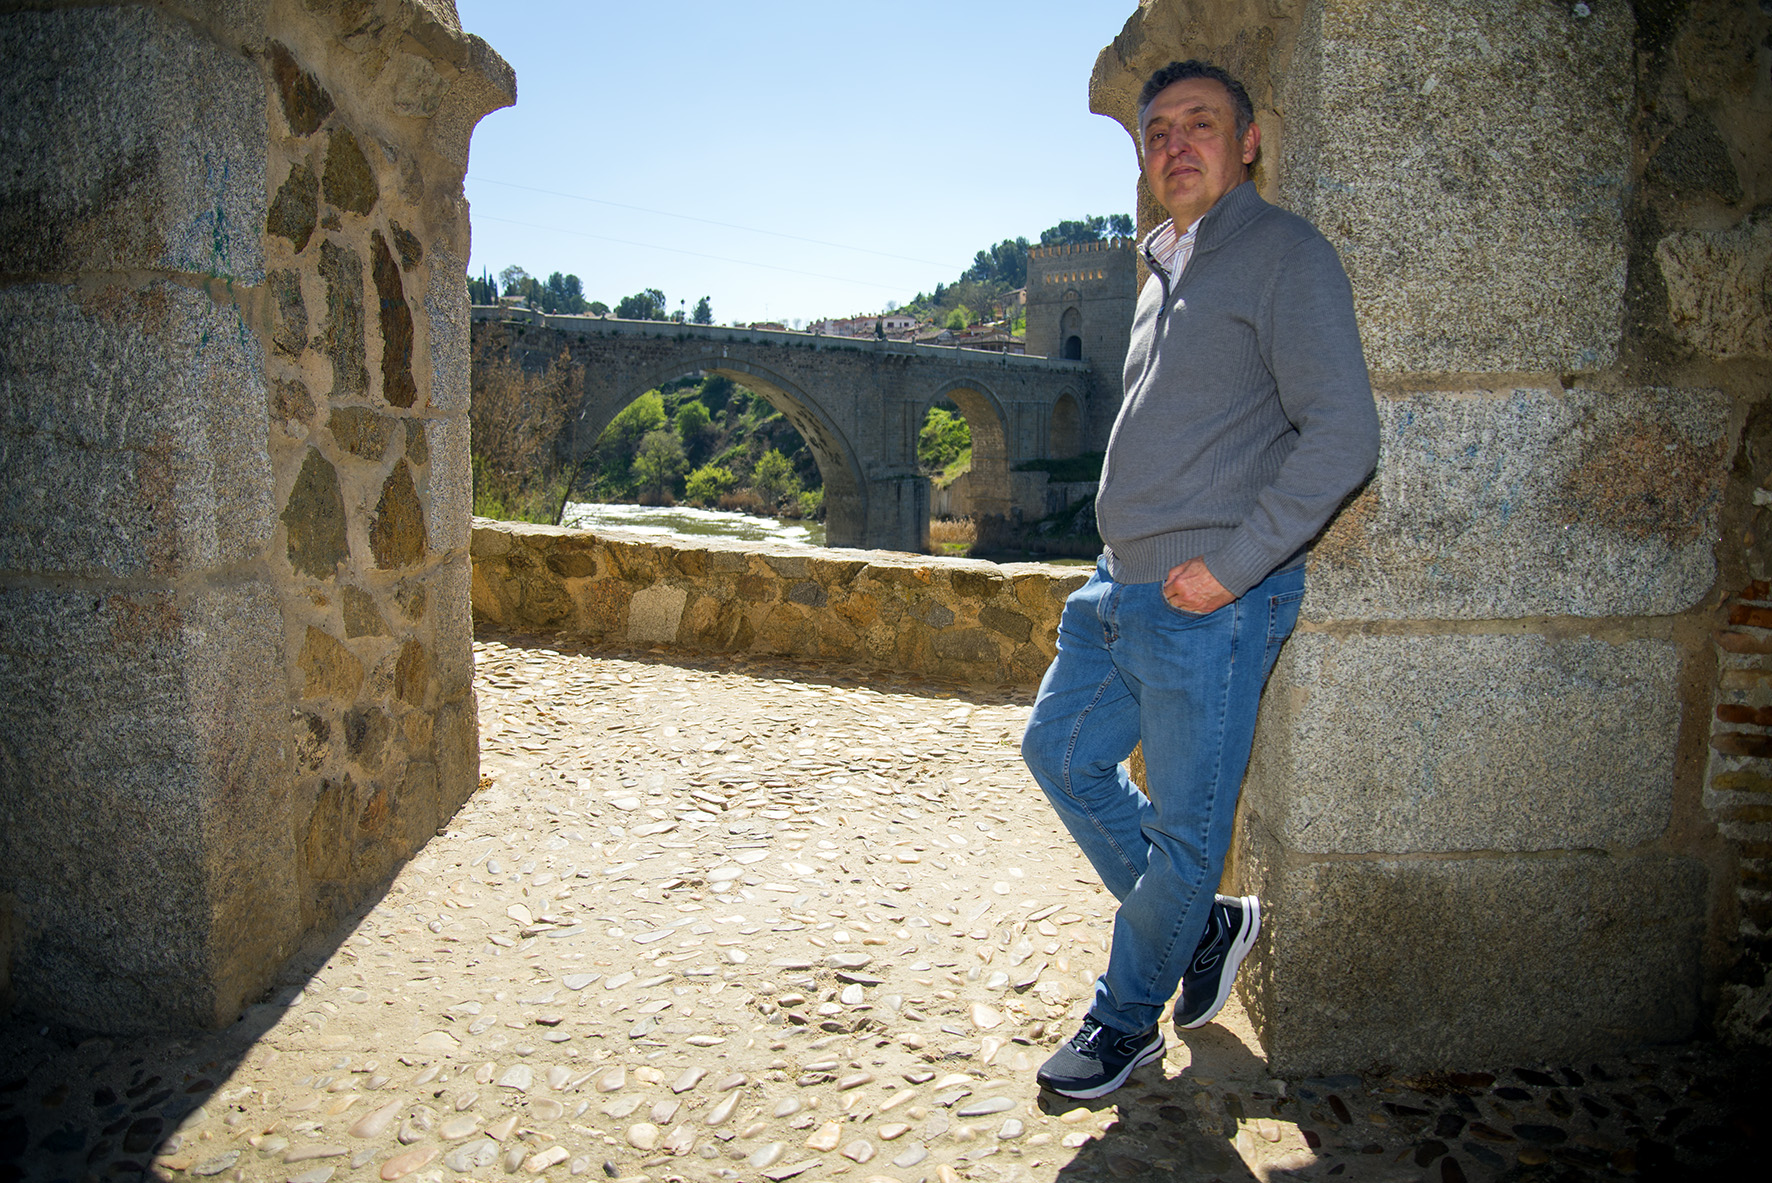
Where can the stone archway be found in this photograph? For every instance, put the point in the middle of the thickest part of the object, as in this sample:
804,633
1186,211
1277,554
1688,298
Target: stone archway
1064,433
991,491
845,490
1070,335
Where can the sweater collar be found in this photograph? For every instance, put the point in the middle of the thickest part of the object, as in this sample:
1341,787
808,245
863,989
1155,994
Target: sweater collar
1234,211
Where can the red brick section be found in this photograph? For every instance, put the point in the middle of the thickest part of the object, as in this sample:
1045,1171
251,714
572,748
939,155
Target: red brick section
1738,791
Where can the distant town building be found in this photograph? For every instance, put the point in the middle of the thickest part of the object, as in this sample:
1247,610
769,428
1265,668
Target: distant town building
888,324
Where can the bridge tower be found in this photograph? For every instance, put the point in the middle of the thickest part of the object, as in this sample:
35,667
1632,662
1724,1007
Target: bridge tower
1080,302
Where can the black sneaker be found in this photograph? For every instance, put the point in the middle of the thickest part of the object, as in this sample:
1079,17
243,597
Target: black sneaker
1098,1059
1230,934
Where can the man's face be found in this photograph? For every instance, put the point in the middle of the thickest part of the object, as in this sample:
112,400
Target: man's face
1192,153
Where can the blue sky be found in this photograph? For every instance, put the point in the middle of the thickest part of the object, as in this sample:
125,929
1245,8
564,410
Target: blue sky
787,159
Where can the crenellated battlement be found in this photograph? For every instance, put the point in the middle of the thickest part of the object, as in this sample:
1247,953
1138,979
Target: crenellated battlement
1080,248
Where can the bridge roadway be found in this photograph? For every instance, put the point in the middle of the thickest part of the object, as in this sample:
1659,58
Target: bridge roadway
857,403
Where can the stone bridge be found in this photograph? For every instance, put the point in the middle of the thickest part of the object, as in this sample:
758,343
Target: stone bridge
857,403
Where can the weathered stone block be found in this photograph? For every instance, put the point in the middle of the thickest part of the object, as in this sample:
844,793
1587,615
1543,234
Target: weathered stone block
449,487
305,102
654,615
146,408
296,209
314,519
490,539
452,635
144,831
1716,288
397,534
362,432
1510,122
412,674
1531,503
1448,743
446,310
1428,964
348,181
328,668
397,384
342,332
134,142
362,616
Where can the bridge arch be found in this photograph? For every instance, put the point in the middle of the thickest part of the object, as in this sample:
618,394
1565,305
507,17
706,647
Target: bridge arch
986,419
1064,431
845,488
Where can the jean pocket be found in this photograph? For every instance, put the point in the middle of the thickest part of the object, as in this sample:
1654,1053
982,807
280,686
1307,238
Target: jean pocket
1282,615
1182,615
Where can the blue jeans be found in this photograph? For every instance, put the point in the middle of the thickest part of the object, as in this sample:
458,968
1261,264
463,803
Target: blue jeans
1130,667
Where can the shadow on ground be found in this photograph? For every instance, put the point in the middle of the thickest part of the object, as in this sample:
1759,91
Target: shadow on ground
76,1105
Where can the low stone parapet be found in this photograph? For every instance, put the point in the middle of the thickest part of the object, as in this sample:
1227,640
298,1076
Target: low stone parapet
962,619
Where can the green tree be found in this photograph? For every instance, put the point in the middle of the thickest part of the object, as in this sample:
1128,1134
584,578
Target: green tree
707,483
691,421
1005,263
598,308
961,317
510,280
659,463
716,392
621,439
562,294
1093,228
945,436
703,314
773,478
482,290
646,305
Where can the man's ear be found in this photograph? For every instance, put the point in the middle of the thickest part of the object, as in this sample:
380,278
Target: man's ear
1251,143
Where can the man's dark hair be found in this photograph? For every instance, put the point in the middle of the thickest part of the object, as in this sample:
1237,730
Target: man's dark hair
1193,68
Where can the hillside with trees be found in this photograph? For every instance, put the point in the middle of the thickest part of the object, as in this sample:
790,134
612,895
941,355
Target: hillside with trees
982,290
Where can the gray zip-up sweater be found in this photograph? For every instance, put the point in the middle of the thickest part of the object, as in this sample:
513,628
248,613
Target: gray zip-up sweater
1248,414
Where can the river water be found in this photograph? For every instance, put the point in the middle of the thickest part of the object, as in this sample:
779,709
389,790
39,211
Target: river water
687,523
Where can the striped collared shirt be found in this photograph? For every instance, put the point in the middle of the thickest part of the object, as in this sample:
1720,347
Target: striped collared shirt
1174,250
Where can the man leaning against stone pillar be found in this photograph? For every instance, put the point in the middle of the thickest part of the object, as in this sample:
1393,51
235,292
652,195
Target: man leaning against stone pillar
1247,418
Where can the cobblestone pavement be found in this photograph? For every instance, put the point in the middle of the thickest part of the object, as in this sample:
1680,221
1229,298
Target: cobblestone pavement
710,920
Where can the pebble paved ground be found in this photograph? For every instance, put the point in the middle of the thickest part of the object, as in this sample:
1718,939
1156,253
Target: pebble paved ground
717,921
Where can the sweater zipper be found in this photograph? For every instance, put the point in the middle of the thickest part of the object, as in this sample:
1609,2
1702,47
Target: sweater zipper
1162,314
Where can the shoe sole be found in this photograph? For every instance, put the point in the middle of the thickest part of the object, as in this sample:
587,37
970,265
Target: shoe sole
1154,1052
1233,959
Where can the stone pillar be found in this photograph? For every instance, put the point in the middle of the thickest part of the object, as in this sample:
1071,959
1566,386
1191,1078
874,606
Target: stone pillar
897,514
235,661
1473,809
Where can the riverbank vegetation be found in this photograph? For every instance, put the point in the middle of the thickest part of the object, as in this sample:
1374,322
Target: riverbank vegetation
514,420
707,441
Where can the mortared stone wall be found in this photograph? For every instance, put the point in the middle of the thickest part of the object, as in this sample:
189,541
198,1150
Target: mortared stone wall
235,653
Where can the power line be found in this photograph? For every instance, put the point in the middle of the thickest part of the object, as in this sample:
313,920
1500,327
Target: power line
710,222
693,254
